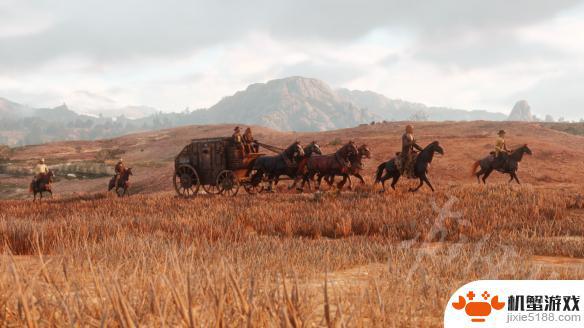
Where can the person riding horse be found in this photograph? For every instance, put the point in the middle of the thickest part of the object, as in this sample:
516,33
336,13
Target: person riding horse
501,151
40,171
406,158
119,169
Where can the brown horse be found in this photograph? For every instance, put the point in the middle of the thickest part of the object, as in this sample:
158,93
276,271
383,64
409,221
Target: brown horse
42,184
355,169
328,164
123,183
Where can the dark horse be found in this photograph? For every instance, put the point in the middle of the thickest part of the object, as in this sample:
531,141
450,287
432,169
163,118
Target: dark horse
421,163
123,183
310,150
273,167
355,169
326,165
509,164
42,184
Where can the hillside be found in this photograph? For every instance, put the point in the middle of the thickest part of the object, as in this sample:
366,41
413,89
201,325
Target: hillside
557,155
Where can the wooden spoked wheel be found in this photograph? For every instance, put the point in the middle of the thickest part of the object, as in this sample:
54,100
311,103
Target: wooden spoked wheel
186,181
254,187
212,189
228,183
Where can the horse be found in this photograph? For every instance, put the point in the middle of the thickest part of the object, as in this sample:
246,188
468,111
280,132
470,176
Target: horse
354,170
42,184
325,165
285,163
123,182
510,165
310,150
421,163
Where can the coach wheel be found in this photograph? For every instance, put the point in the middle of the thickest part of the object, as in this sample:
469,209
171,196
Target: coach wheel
212,189
227,183
255,185
186,181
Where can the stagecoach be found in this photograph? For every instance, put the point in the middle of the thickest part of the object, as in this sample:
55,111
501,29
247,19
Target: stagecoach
217,165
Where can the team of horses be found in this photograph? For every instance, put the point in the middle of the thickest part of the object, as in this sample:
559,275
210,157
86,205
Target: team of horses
305,165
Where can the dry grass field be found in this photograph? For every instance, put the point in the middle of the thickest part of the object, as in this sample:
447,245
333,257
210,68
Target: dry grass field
361,258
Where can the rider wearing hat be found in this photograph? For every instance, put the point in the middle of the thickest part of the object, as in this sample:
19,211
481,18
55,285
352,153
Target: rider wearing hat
119,169
501,150
500,145
407,153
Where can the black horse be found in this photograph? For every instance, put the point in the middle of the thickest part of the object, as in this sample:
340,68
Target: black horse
509,164
42,184
123,183
422,161
273,167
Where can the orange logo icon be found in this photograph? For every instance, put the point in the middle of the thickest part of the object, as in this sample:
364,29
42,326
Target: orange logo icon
478,310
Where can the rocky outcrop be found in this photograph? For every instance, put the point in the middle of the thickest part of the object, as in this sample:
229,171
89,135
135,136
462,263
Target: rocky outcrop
521,112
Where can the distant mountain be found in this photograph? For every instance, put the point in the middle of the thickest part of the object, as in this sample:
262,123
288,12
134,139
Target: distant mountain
295,103
288,104
521,112
399,110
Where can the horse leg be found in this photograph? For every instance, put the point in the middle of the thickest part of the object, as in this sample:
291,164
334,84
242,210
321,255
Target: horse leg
478,175
395,180
341,183
427,181
486,175
514,175
418,187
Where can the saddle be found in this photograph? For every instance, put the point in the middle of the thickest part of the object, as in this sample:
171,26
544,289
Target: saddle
406,169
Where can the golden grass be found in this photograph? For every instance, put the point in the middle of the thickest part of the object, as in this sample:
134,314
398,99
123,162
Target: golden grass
350,259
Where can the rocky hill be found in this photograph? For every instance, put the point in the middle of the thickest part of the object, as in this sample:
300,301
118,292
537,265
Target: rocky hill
291,104
521,112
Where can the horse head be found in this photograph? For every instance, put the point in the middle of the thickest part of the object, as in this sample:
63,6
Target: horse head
436,148
364,151
129,171
295,151
526,150
50,176
312,148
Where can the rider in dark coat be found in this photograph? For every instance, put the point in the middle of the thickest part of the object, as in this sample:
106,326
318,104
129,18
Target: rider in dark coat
407,153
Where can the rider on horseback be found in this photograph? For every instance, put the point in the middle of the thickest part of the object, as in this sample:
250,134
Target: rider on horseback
119,169
406,157
40,170
501,151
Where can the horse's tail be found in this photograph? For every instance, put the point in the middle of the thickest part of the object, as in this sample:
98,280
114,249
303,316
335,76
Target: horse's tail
380,169
475,166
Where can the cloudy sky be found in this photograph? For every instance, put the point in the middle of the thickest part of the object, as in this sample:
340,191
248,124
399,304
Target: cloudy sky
173,54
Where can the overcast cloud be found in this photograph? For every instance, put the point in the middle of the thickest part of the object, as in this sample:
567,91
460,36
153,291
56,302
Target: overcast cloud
175,54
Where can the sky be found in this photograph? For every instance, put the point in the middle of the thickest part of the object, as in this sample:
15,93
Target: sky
173,54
